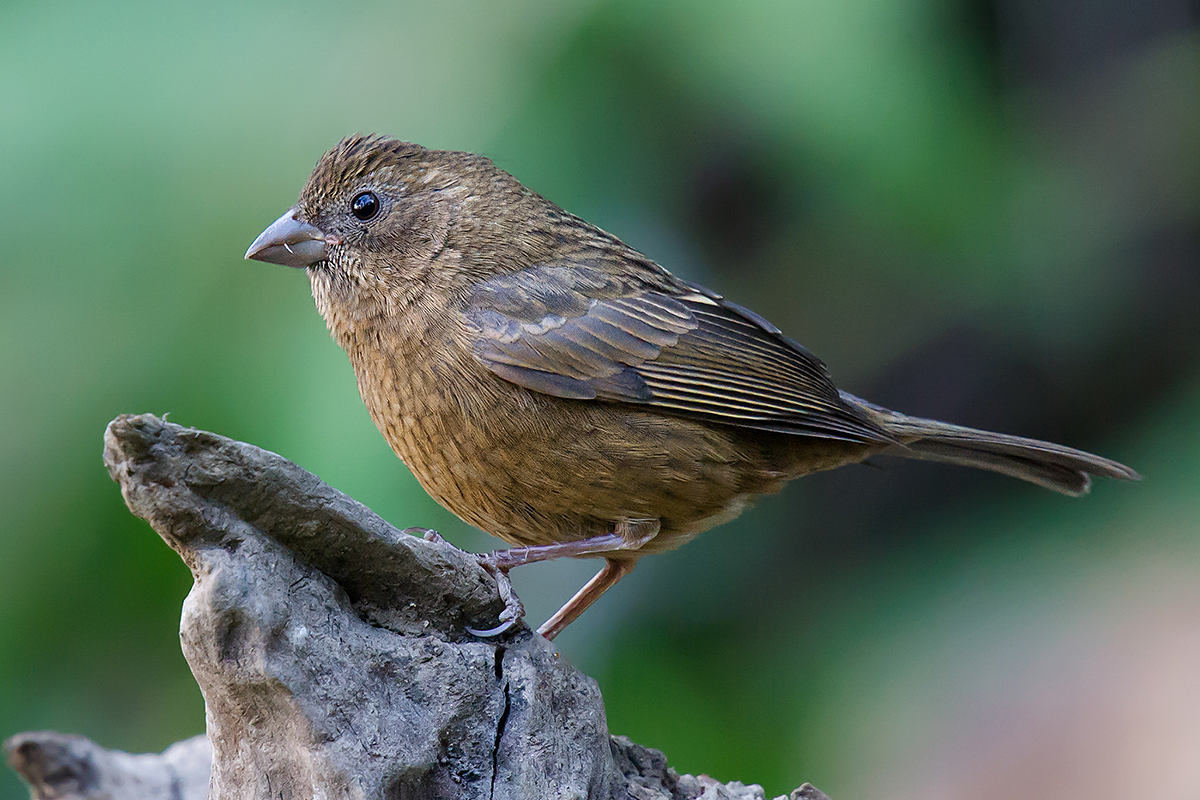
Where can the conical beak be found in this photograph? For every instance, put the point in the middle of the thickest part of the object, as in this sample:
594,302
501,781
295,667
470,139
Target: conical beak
290,242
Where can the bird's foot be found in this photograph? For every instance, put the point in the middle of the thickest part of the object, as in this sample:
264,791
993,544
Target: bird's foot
630,535
513,609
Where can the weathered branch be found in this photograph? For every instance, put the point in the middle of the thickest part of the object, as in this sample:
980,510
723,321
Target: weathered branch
58,765
332,654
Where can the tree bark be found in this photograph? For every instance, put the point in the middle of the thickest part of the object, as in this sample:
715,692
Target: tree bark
332,653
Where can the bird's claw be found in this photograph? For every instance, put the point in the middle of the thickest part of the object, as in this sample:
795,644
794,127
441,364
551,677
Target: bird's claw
513,611
492,633
428,534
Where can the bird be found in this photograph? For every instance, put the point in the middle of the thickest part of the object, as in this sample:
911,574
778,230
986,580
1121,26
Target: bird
556,388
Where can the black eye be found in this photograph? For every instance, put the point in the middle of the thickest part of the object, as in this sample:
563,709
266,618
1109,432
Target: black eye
364,205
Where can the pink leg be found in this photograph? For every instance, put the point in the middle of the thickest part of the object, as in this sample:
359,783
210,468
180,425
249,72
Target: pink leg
604,580
630,535
518,556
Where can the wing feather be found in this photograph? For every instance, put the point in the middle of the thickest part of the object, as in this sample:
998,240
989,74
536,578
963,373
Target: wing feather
578,333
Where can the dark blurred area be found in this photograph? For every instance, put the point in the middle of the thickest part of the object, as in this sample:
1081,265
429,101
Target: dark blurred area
986,212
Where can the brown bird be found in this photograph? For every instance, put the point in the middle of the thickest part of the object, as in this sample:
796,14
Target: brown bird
558,389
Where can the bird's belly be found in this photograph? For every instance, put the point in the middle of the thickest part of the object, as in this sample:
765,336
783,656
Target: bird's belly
534,470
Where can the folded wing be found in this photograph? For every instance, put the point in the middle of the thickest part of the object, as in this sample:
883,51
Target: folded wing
577,332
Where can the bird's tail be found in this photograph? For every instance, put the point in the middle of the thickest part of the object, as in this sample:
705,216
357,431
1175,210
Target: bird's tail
1063,469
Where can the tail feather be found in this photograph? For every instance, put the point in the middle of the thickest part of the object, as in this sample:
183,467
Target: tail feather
1053,466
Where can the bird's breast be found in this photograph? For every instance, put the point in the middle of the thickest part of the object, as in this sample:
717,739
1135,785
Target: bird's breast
459,436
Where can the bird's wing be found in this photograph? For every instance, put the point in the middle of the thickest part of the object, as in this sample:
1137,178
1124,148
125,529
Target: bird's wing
577,332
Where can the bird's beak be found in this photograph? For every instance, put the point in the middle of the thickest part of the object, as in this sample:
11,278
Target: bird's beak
290,242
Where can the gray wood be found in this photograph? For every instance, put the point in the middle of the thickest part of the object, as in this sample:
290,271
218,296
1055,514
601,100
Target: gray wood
332,654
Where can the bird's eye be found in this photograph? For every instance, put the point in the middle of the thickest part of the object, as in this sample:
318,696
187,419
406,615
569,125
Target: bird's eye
364,205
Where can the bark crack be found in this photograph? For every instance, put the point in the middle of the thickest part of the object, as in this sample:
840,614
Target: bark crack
503,721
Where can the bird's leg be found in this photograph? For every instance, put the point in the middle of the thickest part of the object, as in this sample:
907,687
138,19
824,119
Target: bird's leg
629,535
603,580
499,562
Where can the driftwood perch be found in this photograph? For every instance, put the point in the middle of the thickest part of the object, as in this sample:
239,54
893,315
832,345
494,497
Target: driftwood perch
332,654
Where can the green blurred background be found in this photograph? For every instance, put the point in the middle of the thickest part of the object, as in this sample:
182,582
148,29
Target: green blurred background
982,210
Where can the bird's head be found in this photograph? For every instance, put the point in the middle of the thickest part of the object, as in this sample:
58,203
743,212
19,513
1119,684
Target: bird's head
376,215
